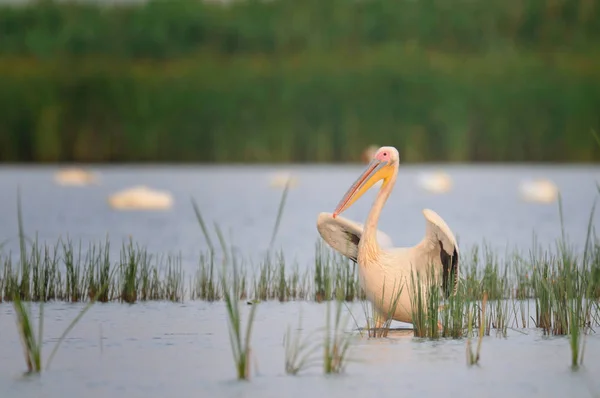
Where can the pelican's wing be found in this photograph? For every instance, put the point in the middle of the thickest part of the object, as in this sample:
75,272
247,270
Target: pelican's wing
439,238
343,234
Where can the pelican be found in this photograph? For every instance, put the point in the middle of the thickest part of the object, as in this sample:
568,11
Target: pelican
75,177
436,182
141,198
280,180
382,271
540,190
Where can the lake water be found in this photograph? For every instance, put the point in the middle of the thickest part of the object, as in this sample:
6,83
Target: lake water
483,206
165,349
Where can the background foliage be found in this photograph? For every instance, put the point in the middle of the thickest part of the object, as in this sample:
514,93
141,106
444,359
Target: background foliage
311,80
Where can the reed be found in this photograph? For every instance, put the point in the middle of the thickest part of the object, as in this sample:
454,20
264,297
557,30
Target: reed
299,353
473,356
32,343
426,301
453,312
40,275
240,344
337,342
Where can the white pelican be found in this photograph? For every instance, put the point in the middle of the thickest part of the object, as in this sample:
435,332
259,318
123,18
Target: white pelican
280,180
75,177
435,182
141,198
389,267
540,190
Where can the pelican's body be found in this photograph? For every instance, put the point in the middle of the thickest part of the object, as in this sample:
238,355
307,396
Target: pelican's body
383,271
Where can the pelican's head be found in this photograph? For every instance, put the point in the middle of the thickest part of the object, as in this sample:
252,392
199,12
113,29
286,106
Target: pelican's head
382,167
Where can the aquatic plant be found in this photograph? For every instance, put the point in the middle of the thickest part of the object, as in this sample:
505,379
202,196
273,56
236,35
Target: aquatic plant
473,356
452,312
299,354
337,342
240,345
32,343
426,301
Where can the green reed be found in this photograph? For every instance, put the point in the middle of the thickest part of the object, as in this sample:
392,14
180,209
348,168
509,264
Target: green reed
453,312
474,356
337,342
40,275
426,302
66,272
299,353
240,344
32,343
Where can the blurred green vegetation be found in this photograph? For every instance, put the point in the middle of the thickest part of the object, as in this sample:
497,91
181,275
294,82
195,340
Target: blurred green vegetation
310,80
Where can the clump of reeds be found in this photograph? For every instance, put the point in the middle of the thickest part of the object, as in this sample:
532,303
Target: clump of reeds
67,272
452,314
32,342
426,301
334,273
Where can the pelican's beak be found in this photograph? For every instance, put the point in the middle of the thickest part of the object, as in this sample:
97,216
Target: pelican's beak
376,170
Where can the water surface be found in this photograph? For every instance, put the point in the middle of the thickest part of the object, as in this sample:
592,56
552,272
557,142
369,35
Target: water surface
158,349
483,206
165,349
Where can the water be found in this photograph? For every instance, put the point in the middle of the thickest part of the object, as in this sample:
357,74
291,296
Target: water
159,349
484,205
165,349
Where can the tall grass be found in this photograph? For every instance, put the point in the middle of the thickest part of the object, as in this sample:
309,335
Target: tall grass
473,356
32,342
426,301
299,353
135,273
240,344
337,342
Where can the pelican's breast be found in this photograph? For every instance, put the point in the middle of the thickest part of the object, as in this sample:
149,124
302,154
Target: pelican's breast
386,281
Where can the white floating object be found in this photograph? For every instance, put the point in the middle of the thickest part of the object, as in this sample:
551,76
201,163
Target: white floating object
75,177
279,180
540,190
141,198
435,182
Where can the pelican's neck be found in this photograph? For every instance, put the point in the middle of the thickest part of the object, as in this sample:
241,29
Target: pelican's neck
369,237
